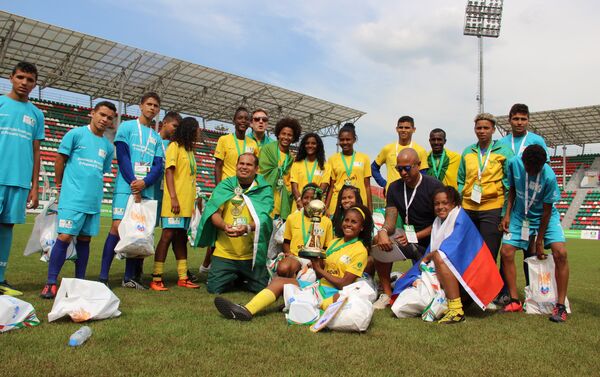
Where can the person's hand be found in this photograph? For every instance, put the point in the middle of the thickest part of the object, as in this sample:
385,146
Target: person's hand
427,258
539,249
175,205
33,198
383,240
299,204
505,224
235,231
401,239
138,185
137,197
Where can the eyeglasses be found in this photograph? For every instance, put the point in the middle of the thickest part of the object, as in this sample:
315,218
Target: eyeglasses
406,168
258,119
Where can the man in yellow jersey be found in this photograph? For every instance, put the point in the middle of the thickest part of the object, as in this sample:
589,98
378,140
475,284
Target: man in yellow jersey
443,163
231,146
259,123
237,222
388,154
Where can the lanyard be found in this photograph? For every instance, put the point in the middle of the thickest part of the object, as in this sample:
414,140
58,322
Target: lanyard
412,197
529,203
521,147
304,234
481,167
192,161
285,162
237,146
141,139
333,248
310,175
348,169
408,146
438,170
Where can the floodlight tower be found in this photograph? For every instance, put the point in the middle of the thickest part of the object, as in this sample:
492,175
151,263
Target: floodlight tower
482,19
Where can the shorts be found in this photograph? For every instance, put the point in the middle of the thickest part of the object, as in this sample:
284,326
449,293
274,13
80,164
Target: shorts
554,233
77,223
13,204
175,222
228,274
119,204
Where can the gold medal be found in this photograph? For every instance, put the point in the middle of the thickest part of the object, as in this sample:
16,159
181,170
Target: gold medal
348,182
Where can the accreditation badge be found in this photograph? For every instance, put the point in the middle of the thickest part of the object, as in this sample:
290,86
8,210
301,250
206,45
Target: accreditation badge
240,221
476,194
141,169
525,230
411,235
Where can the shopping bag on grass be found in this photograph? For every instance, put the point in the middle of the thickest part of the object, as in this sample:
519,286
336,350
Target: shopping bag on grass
137,229
16,314
541,293
84,300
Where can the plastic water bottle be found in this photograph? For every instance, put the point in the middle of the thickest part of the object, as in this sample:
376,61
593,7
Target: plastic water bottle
80,336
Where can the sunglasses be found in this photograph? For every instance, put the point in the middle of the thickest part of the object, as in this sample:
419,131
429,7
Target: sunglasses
258,119
406,168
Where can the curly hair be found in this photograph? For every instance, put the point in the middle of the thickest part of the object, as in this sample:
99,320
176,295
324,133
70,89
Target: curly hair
320,149
338,215
534,157
291,123
366,234
186,134
451,193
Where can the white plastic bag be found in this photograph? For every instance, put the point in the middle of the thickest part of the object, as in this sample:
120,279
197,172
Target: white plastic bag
276,241
16,314
44,233
425,297
360,288
532,307
292,293
355,315
542,282
301,305
193,229
84,300
137,229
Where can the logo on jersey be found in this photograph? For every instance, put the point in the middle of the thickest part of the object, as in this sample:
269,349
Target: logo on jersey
151,140
67,224
345,259
118,211
101,153
28,120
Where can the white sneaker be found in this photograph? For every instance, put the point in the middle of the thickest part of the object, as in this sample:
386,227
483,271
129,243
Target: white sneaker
382,302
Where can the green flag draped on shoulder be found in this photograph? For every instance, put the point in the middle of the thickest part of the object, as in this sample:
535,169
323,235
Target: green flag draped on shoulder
269,167
259,199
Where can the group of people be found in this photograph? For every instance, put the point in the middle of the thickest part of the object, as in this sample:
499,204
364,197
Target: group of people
263,189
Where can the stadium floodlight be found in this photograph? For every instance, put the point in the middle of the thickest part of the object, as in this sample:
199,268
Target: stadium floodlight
482,19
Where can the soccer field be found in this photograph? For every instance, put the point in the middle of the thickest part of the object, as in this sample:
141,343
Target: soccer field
180,333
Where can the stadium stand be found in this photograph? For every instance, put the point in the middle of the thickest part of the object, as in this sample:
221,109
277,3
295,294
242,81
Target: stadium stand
588,215
572,164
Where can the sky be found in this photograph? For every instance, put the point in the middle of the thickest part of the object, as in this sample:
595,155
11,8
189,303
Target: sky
387,58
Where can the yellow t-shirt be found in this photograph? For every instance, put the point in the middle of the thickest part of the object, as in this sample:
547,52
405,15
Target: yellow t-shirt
236,248
227,151
450,179
360,170
351,258
185,181
389,155
293,230
299,173
286,182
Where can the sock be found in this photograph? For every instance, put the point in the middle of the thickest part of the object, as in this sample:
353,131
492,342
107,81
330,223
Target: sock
259,302
6,233
182,269
158,271
138,268
83,254
108,254
456,305
130,269
57,259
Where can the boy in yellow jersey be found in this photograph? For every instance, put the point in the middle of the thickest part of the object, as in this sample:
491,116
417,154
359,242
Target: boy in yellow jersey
388,154
443,163
231,146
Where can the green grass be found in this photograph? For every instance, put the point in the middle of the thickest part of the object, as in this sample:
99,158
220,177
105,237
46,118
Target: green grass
180,333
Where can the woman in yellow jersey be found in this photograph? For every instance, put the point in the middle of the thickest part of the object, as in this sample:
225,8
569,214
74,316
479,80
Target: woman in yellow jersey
275,162
345,261
178,203
349,167
310,166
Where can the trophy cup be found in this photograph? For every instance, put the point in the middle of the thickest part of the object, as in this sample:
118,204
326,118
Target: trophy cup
312,248
238,202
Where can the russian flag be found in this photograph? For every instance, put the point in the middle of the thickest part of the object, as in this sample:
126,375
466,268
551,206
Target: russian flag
468,257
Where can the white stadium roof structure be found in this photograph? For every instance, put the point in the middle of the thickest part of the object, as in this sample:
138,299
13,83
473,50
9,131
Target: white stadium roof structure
88,65
574,126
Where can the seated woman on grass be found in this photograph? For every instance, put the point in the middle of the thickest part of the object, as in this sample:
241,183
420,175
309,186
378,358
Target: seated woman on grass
345,262
297,232
460,256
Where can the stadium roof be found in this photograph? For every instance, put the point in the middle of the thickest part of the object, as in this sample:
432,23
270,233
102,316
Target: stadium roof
85,64
574,126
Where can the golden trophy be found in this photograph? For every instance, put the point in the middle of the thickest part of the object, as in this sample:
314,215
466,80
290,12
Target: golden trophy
313,248
238,203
